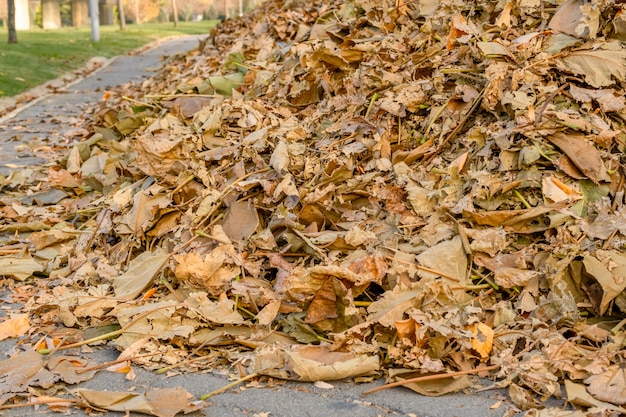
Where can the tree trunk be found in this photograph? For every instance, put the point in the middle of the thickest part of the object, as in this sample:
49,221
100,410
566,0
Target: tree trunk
175,13
137,20
11,22
120,7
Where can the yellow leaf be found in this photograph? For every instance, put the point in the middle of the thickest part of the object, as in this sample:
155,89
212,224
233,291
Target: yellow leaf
483,342
14,327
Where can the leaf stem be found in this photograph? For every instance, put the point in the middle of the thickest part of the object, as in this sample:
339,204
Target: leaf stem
369,108
522,199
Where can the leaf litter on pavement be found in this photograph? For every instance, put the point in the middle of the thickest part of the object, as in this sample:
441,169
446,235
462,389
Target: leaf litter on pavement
327,189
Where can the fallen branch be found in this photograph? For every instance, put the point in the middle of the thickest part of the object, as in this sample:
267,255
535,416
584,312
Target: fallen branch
431,378
115,362
48,401
229,386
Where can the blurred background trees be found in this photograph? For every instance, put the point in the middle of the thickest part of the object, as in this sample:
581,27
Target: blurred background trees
141,11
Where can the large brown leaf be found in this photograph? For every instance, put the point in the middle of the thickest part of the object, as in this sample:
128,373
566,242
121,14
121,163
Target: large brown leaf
582,153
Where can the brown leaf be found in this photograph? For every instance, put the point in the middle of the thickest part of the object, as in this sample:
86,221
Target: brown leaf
599,67
608,268
165,402
483,339
569,19
142,215
578,395
610,385
61,178
140,273
313,363
212,273
21,371
47,238
324,304
20,268
66,367
513,277
448,257
241,221
268,313
583,154
14,327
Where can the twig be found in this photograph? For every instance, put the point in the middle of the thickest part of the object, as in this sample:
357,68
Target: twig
187,181
434,271
310,243
471,287
539,115
458,127
34,403
226,190
140,103
607,242
183,363
369,108
168,96
431,378
104,214
10,251
522,199
424,268
282,254
118,360
106,335
229,386
619,325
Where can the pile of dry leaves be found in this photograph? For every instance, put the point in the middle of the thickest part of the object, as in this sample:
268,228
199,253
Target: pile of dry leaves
329,189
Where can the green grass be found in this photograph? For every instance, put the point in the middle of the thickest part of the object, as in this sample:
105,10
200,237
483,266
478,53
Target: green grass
42,55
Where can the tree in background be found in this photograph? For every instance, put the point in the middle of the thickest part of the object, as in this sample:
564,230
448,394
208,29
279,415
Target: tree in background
175,12
11,21
122,16
192,8
141,11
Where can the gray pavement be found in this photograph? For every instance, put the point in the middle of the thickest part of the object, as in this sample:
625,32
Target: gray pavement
49,122
47,125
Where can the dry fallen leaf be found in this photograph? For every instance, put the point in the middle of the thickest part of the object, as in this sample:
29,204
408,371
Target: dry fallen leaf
20,268
14,327
600,68
21,371
404,184
584,155
609,386
139,274
577,394
312,363
166,402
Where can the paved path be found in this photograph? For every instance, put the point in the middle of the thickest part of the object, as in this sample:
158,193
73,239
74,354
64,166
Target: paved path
48,124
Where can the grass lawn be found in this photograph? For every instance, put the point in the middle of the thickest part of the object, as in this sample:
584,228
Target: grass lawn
42,55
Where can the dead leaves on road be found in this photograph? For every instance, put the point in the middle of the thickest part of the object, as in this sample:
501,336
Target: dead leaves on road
341,187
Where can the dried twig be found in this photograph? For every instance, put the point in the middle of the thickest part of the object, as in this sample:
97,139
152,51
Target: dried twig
431,378
229,386
115,362
458,127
